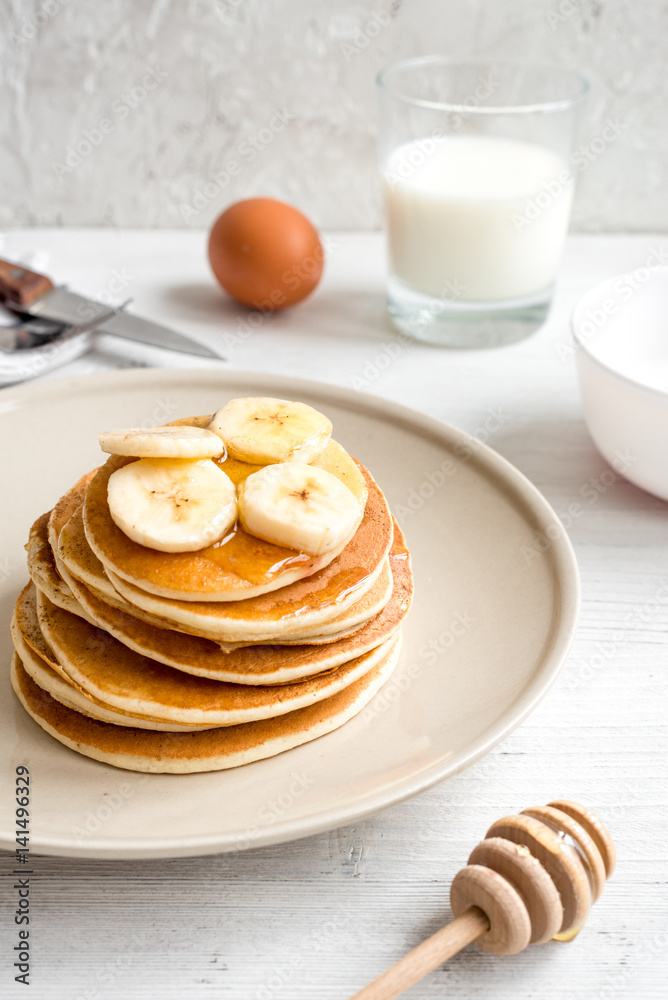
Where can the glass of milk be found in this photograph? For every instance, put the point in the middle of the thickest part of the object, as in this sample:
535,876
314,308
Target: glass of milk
476,160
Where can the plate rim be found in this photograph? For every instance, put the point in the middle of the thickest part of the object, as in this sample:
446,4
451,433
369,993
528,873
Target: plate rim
559,641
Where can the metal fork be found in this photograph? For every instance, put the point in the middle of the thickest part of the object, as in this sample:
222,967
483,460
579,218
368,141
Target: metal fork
32,347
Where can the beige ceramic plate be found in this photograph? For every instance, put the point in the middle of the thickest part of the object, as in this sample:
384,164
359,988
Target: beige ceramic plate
495,609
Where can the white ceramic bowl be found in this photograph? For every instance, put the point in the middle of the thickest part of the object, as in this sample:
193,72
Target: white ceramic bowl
620,329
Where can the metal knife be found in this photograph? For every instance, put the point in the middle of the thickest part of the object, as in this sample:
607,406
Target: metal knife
34,294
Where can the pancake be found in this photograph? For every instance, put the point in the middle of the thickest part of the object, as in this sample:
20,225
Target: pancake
298,621
114,601
259,664
42,566
308,607
239,566
115,676
43,666
209,750
43,572
65,693
66,506
204,660
42,543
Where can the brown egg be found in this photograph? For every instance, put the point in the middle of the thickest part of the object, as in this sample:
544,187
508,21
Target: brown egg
265,254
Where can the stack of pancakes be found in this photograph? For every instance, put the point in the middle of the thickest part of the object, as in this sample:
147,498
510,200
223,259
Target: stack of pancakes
198,661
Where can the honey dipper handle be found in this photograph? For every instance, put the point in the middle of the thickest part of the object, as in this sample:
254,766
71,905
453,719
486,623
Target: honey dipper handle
427,956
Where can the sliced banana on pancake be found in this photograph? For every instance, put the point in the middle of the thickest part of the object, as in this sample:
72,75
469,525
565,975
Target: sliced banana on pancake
261,430
162,442
172,505
298,506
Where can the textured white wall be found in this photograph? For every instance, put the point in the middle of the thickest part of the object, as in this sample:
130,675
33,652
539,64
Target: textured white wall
285,89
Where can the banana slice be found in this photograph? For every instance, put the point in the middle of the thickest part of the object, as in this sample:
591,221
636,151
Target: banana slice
162,442
299,506
261,430
172,505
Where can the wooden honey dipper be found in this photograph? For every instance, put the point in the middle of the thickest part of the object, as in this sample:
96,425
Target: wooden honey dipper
533,878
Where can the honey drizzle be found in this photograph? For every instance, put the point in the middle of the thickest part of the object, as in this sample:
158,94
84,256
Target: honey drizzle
257,561
252,559
336,591
569,843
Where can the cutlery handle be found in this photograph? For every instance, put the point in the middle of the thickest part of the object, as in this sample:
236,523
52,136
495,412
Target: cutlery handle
21,286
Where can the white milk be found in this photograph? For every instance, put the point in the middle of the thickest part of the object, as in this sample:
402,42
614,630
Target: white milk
476,218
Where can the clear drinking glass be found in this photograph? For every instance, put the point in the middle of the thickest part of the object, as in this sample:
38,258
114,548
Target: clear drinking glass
476,158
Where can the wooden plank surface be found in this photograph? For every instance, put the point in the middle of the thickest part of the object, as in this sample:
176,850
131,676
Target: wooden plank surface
320,917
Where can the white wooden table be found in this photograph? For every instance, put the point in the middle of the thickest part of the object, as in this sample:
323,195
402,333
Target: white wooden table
320,917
